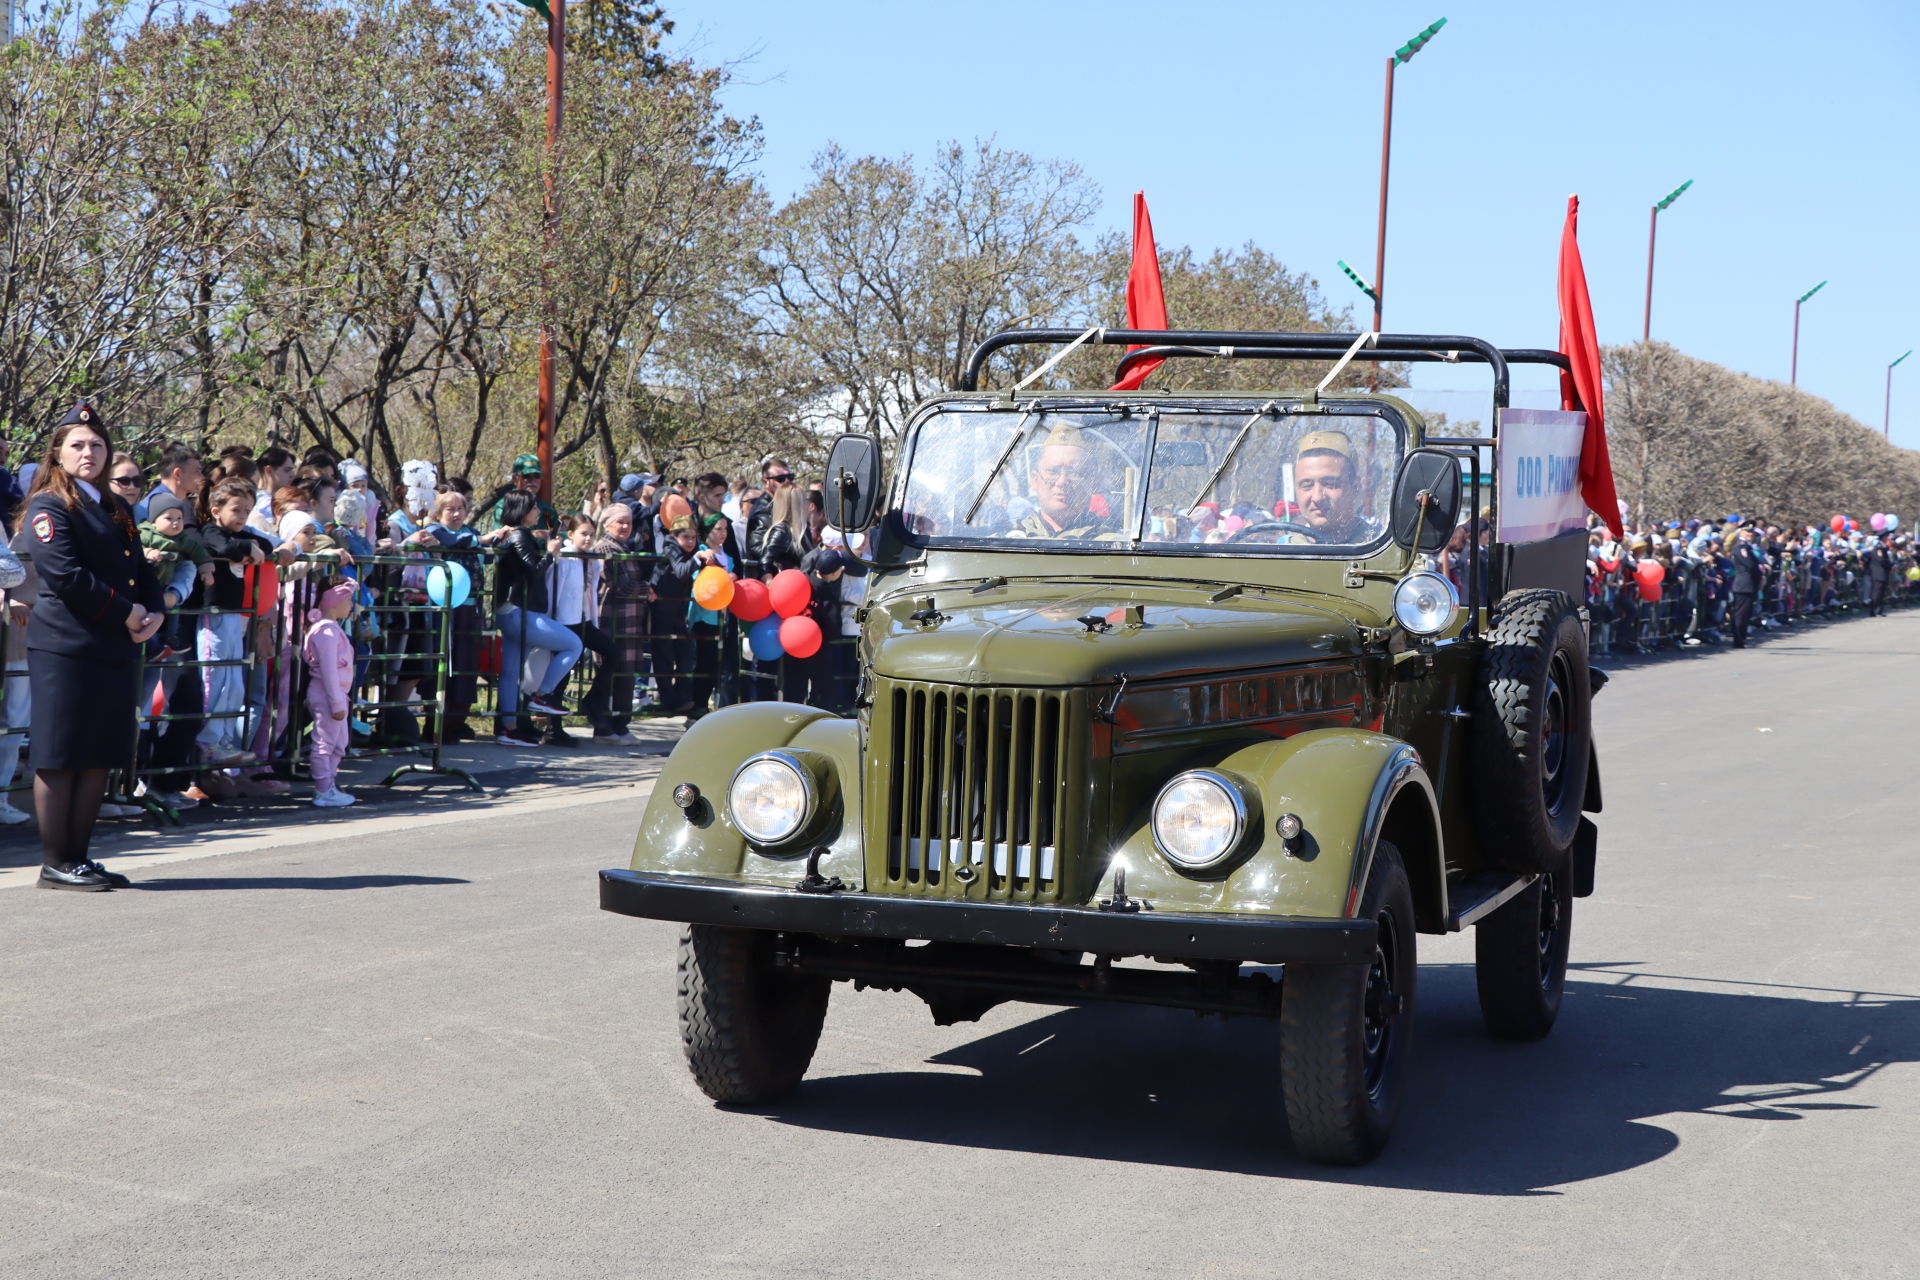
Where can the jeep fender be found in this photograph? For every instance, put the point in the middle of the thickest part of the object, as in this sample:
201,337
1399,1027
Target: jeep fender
703,842
1349,787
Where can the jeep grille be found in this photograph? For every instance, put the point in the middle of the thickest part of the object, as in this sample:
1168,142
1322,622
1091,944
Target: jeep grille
977,789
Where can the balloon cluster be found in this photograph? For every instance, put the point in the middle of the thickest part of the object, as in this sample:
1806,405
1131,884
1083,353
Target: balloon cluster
776,610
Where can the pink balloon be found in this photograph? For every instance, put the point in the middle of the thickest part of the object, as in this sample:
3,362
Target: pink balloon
800,636
790,592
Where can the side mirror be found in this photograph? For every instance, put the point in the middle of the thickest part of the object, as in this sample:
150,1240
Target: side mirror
1436,474
852,490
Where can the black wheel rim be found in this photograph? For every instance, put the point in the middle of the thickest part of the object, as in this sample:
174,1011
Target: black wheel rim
1381,1007
1555,732
1549,934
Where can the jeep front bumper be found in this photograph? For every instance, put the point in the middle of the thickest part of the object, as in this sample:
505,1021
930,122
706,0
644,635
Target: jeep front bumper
1249,939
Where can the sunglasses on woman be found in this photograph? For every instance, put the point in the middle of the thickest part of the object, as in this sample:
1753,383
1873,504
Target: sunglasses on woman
133,480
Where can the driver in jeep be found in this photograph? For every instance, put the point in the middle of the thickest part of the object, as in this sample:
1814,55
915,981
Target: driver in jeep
1063,491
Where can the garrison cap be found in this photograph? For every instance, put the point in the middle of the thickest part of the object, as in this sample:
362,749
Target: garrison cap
1327,442
527,464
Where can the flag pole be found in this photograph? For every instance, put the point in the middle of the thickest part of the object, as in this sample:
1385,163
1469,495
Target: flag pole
556,75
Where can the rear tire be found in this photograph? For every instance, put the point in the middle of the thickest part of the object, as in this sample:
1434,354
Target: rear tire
1532,731
1520,959
749,1030
1345,1031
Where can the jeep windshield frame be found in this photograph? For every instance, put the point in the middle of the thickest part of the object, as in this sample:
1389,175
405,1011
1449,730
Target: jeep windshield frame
1126,477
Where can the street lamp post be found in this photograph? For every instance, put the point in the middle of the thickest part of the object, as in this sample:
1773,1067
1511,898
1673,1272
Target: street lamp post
555,13
1403,54
1793,377
1886,422
1653,226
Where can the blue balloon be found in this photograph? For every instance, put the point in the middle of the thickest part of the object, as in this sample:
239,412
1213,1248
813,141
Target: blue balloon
764,638
449,585
1893,522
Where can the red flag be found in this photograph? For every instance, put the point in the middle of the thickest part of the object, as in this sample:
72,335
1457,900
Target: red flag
1146,304
1582,350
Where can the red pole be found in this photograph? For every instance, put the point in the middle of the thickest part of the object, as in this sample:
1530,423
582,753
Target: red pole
1653,225
556,72
1793,378
1380,239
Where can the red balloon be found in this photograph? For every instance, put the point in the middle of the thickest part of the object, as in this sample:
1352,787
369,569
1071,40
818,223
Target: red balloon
750,602
1650,572
800,635
1838,523
790,592
1650,591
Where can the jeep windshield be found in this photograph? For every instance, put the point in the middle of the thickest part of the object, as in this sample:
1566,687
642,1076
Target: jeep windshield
1248,477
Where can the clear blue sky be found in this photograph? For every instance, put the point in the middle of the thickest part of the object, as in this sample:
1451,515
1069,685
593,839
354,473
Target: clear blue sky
1261,121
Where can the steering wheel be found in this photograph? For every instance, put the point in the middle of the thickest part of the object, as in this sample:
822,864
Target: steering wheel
1271,525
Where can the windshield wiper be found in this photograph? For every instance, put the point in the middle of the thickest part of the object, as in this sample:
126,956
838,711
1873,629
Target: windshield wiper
1019,433
1232,452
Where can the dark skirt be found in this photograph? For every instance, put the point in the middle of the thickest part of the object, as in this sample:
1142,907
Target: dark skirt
83,711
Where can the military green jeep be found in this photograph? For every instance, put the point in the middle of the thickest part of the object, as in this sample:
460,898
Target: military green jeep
1204,700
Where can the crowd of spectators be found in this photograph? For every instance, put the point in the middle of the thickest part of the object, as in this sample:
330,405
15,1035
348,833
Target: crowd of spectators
1730,579
609,583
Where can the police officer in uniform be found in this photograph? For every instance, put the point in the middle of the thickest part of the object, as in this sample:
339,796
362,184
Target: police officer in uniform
1748,570
98,603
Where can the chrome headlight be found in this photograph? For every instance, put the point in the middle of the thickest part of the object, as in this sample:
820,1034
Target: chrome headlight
770,798
1198,819
1425,603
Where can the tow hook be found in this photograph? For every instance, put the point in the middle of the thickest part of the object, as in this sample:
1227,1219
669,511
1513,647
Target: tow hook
1120,901
812,882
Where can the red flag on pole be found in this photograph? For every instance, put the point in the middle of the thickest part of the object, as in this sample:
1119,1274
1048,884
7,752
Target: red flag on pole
1146,304
1582,350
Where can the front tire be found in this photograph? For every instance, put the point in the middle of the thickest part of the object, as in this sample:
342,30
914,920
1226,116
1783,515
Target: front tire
1520,959
749,1029
1345,1031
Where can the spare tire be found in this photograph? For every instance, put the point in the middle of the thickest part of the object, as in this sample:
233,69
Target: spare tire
1532,731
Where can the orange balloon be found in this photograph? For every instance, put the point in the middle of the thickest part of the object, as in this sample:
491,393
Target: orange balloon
673,507
713,588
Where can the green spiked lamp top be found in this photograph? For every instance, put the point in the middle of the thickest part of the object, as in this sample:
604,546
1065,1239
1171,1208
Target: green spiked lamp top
1355,277
1909,352
1809,293
1674,194
1406,51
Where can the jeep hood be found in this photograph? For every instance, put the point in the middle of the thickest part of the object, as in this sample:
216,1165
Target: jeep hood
1031,633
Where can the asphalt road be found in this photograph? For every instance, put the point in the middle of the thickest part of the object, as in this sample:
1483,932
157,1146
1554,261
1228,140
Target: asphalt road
422,1051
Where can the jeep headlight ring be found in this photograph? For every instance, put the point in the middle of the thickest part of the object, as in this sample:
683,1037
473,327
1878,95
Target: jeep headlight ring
1425,603
1199,819
771,798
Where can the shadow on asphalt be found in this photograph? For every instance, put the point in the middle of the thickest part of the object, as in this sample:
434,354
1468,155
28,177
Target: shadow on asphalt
296,882
1481,1117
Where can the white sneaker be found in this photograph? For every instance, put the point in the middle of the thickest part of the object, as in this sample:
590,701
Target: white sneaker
335,799
13,817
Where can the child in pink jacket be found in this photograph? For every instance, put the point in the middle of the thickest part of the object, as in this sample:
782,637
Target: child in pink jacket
329,655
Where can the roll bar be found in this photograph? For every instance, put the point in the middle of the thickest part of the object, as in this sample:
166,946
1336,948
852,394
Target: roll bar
1255,345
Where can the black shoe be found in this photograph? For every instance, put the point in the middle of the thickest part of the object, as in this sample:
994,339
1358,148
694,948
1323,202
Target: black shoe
86,877
114,878
558,737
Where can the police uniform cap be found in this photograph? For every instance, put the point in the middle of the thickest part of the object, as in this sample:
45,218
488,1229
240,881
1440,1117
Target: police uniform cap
527,464
82,414
1327,442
